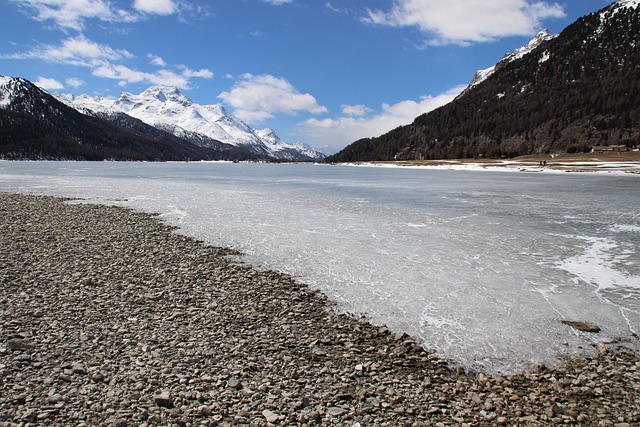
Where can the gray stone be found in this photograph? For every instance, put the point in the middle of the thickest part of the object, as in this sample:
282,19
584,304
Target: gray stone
164,399
270,416
20,345
334,411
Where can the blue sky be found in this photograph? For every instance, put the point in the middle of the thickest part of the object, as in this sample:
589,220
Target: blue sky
319,72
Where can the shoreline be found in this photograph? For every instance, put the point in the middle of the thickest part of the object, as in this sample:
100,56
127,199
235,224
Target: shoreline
613,163
111,318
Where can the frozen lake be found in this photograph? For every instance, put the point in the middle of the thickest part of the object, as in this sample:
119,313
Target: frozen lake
480,266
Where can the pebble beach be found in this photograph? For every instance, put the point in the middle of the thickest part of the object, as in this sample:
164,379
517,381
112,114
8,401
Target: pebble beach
110,318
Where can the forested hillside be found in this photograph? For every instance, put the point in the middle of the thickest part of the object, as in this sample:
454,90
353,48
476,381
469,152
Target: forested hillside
578,90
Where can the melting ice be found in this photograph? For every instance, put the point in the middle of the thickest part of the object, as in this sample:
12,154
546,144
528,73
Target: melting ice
479,266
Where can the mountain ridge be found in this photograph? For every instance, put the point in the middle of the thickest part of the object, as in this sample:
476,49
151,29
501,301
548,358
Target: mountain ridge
36,125
166,107
481,75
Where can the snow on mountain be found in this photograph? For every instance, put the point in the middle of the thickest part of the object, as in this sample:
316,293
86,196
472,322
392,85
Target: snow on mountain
613,9
10,88
166,107
4,94
20,94
621,4
269,136
85,103
481,75
542,37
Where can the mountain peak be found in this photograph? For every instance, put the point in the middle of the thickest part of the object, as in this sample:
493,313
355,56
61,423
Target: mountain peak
266,132
16,89
620,5
166,107
540,38
627,3
159,89
166,93
543,34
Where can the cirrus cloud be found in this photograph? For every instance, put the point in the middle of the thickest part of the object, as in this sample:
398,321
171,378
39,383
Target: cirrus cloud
74,51
256,98
467,21
277,2
71,14
106,62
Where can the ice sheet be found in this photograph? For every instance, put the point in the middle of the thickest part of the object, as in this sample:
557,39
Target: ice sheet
480,267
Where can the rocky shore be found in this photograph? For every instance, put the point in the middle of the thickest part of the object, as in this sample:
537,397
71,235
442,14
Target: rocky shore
107,317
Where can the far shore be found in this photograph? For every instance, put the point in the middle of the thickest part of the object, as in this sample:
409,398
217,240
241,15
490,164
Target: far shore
625,162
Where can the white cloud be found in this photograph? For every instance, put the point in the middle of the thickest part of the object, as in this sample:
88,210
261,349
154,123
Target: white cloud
202,73
277,2
71,14
74,82
75,51
332,8
256,98
355,110
48,84
467,21
156,60
155,7
127,75
120,72
105,61
331,135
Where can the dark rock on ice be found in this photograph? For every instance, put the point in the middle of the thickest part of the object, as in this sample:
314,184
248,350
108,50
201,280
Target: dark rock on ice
582,326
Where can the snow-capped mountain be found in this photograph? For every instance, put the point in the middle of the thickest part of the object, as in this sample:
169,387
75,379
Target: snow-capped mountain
618,6
35,125
167,108
563,94
540,38
544,36
21,94
275,144
5,99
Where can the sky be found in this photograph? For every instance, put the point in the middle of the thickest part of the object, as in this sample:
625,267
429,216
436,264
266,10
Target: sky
320,72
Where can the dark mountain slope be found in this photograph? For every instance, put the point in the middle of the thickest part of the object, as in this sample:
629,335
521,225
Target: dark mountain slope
576,91
35,125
